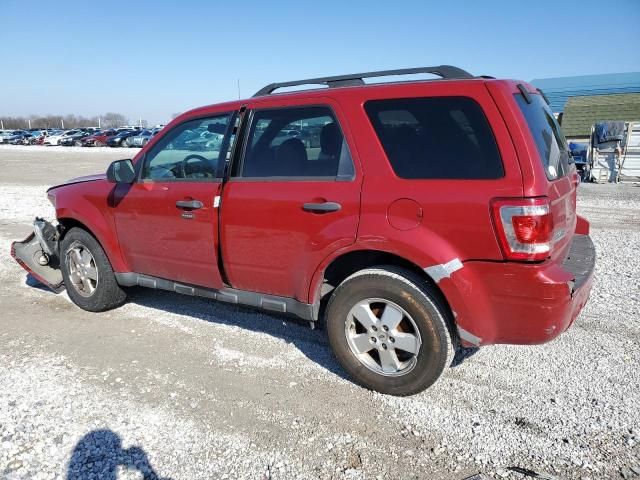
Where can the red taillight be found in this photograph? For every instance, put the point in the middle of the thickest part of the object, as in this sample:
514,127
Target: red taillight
524,227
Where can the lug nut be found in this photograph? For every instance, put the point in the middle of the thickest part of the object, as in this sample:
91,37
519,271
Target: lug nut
393,340
384,346
374,328
374,339
385,328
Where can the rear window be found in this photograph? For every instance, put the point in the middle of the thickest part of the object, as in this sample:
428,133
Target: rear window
436,138
550,141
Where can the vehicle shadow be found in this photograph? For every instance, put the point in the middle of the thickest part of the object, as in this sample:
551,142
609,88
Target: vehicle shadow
99,454
312,343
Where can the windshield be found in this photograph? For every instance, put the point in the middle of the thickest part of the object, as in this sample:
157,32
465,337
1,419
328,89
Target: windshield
550,141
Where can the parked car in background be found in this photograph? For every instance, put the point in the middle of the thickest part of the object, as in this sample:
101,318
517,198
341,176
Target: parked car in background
20,139
13,135
54,138
118,140
74,139
199,139
31,138
37,137
16,137
98,139
141,139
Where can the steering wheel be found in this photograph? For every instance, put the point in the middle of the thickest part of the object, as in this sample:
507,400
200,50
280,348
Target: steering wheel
205,168
160,172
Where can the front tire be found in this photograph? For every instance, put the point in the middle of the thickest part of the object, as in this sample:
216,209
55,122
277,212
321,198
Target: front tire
87,273
388,329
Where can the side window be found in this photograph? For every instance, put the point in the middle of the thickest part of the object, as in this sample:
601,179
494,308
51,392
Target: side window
436,138
296,142
190,151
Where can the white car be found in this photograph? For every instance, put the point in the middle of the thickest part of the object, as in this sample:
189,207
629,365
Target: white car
55,139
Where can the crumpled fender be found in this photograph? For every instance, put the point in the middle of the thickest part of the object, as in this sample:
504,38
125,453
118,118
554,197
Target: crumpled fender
86,203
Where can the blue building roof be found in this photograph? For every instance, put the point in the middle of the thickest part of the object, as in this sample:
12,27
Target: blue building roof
560,89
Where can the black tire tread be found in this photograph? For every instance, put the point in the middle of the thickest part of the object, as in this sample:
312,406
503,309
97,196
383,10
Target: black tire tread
108,294
422,292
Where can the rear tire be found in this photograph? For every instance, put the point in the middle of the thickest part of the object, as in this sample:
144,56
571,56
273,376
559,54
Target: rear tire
407,315
87,273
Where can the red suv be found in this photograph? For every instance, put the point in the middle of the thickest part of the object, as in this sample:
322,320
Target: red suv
411,218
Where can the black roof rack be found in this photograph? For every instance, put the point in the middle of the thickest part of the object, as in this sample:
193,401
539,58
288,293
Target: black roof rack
354,79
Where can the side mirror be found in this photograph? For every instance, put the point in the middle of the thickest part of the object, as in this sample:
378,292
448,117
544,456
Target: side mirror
121,171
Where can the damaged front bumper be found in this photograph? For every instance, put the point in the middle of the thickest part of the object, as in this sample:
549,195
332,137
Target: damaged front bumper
38,254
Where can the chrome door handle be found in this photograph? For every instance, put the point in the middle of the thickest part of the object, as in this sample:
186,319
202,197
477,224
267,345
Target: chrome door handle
189,204
324,207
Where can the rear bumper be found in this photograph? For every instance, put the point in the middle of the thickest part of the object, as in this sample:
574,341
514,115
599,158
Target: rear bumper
518,303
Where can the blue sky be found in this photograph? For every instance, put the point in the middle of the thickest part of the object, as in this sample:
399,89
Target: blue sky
154,58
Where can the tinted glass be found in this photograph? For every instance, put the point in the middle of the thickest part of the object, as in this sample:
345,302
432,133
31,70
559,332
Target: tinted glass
550,141
189,151
438,137
296,142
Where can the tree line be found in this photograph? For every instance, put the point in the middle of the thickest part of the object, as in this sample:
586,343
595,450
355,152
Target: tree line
108,120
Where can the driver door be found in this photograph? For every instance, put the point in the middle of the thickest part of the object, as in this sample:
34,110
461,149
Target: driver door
167,221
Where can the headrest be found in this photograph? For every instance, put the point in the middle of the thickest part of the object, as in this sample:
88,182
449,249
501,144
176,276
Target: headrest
330,139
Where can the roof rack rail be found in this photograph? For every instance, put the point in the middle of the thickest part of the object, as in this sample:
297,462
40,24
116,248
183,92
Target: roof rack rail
354,79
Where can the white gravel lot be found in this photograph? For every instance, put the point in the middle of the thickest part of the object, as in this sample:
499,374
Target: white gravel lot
180,387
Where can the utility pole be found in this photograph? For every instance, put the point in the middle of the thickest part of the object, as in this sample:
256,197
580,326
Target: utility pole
62,122
99,126
238,88
1,125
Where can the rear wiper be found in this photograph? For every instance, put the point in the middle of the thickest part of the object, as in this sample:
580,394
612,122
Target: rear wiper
545,97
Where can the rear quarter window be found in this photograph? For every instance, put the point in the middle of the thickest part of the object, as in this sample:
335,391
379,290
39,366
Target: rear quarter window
550,141
436,138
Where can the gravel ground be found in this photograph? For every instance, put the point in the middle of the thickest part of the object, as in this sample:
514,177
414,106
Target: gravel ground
170,386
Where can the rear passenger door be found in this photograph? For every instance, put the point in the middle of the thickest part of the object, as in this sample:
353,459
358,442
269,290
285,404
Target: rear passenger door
292,199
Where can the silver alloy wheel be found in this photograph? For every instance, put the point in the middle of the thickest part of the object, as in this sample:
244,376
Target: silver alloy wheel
83,272
383,336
